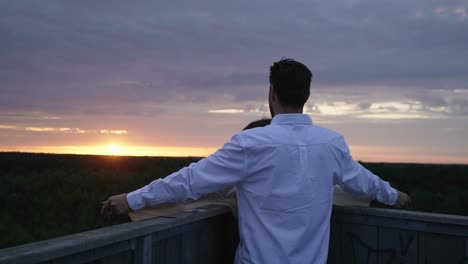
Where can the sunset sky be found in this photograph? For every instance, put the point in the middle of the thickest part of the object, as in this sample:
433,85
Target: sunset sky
179,78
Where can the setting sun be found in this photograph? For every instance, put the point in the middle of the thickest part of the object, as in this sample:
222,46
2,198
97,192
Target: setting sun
114,150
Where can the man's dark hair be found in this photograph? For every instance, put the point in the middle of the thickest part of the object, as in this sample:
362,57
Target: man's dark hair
291,81
258,123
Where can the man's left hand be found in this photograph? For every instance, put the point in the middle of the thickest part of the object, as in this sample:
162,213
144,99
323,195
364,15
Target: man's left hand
403,201
115,205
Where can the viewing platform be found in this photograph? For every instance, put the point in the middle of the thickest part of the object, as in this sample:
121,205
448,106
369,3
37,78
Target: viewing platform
209,235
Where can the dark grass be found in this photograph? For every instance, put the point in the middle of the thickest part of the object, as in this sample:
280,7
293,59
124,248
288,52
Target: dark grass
50,195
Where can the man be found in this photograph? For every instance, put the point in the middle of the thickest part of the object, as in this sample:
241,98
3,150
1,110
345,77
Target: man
284,176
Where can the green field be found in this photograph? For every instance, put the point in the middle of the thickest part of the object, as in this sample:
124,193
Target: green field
46,195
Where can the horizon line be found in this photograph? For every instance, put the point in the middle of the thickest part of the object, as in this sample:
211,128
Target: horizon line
201,157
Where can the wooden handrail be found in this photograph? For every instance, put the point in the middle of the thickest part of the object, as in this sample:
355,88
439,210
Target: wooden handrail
123,237
201,236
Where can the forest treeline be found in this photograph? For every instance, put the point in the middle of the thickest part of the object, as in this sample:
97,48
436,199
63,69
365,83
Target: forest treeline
50,195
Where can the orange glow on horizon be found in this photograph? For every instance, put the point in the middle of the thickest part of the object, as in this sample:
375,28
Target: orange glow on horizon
398,154
393,154
117,150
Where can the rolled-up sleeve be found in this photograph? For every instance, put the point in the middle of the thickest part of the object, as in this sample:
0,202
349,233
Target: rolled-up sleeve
356,179
224,168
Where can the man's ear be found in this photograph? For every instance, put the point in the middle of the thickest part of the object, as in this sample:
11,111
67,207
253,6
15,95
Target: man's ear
272,93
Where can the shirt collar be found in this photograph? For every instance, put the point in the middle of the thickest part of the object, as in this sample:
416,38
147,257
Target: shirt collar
283,119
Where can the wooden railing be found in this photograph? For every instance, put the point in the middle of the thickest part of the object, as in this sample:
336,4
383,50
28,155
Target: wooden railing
208,235
202,235
372,235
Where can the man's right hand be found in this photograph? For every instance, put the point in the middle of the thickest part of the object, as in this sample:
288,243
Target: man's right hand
403,200
114,206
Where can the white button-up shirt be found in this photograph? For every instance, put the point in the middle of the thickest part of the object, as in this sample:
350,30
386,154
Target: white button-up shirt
285,175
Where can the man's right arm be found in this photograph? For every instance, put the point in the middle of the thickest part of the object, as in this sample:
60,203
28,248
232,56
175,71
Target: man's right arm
224,168
356,179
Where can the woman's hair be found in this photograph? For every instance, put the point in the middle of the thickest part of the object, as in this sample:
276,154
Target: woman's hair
258,123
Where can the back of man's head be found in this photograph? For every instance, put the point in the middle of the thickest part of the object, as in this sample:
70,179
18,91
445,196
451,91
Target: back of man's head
291,82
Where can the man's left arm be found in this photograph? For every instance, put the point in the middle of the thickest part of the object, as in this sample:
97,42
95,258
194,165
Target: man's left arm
356,179
224,168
